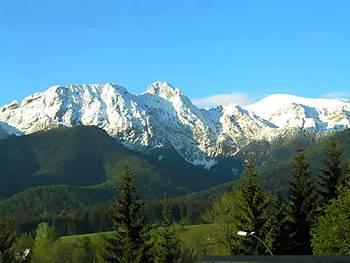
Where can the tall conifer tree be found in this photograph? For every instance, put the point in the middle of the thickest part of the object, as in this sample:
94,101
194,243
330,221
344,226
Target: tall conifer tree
302,197
168,241
280,224
332,174
130,241
253,213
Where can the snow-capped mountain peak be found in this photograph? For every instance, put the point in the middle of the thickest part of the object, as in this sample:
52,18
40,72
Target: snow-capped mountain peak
289,111
272,103
162,115
162,89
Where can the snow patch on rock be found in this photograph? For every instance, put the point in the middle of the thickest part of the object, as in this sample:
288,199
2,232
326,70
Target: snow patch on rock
163,115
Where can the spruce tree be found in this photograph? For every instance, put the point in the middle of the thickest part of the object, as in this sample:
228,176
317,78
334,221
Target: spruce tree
332,174
7,240
253,214
129,243
168,248
279,225
302,198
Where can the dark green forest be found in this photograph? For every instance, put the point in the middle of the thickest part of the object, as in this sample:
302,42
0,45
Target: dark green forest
72,181
87,156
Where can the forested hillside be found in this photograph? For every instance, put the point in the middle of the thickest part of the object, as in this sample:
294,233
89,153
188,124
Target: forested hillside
86,156
81,208
275,170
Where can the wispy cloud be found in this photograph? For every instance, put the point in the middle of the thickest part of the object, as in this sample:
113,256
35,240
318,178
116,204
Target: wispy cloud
336,95
222,99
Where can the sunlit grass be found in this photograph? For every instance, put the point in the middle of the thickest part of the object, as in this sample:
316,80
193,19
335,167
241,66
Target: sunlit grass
199,238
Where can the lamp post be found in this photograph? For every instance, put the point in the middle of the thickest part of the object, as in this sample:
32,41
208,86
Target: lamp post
252,234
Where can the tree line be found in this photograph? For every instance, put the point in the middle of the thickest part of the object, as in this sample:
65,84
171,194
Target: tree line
95,218
133,240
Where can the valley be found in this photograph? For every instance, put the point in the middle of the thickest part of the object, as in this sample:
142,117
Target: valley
174,131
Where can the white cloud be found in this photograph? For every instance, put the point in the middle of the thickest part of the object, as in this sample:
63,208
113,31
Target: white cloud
222,99
336,95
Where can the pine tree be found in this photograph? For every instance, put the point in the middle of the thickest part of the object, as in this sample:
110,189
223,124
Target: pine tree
279,225
302,198
253,214
168,242
332,175
7,240
130,241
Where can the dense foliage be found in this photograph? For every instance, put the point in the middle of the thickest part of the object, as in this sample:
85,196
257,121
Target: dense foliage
302,196
167,246
248,208
284,224
45,237
331,234
333,174
275,159
7,242
73,215
48,247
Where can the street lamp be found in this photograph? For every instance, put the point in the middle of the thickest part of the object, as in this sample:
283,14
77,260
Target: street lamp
252,234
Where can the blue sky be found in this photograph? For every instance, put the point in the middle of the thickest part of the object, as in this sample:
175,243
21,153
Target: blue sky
243,49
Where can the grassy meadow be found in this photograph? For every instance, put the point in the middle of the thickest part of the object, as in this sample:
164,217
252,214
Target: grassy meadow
198,238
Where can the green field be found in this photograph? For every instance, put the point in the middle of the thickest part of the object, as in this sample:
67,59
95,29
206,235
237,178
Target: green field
196,237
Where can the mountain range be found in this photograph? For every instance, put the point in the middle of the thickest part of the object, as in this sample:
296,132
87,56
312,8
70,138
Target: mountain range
163,117
62,151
